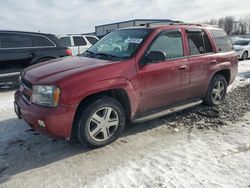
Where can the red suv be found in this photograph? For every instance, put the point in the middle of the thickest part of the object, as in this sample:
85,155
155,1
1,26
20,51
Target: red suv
130,75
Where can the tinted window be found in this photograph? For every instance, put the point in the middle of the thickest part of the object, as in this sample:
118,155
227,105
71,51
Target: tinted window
222,41
92,40
242,42
42,41
66,41
79,41
195,41
208,45
8,40
170,43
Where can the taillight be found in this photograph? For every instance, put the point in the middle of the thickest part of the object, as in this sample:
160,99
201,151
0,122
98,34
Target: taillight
69,52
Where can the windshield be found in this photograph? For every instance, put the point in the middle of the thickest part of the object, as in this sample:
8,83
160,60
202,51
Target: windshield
118,44
242,42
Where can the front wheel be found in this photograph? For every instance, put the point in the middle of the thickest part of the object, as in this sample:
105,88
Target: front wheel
101,122
245,56
216,91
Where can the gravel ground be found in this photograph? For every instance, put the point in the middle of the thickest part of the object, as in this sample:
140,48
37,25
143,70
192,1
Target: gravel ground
185,149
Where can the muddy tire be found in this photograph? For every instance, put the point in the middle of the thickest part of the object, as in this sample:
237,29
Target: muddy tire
101,122
216,91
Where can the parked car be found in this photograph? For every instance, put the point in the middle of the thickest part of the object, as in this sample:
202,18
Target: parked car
242,48
18,50
92,96
78,43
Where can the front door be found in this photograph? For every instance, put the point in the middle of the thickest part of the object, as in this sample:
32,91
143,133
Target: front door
164,83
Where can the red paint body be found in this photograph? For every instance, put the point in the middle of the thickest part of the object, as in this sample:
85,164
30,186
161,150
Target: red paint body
149,87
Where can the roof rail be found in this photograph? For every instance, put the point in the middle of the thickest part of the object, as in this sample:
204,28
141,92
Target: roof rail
196,24
149,24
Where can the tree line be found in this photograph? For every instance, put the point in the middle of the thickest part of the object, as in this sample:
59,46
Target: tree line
232,25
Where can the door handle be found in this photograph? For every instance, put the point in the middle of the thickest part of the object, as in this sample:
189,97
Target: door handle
183,67
213,61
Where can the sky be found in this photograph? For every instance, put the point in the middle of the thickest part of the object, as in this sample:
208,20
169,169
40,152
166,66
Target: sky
80,16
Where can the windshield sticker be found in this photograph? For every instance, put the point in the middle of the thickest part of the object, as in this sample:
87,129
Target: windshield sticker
134,40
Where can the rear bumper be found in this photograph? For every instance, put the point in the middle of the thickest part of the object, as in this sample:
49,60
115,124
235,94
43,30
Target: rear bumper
58,121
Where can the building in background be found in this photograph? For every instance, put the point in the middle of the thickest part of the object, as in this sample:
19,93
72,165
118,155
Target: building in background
102,30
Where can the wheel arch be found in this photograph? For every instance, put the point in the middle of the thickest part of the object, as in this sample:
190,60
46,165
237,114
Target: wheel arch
118,93
226,73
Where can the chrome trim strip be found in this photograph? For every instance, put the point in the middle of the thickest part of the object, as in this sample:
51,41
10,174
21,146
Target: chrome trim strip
9,74
166,112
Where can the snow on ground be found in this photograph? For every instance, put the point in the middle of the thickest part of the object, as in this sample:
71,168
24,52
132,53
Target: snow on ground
243,75
151,154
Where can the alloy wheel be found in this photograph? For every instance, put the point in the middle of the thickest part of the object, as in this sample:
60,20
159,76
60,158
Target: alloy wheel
103,124
218,92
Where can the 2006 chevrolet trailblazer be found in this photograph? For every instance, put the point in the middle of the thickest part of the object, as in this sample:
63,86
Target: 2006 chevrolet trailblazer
157,70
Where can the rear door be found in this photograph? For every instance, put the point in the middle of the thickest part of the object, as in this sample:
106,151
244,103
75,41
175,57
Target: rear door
15,51
201,56
164,83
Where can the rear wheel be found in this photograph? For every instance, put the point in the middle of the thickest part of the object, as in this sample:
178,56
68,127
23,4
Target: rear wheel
216,91
101,122
245,56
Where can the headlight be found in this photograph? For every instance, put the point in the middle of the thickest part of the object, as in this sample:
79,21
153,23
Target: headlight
239,49
46,95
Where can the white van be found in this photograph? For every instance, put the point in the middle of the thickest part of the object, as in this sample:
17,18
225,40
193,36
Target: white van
78,43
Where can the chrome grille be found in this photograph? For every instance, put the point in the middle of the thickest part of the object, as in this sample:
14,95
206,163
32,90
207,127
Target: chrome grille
25,88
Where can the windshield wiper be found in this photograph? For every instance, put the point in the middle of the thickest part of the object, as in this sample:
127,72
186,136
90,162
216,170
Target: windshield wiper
107,55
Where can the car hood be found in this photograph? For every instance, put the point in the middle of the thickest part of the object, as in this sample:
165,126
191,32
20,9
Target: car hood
239,47
53,70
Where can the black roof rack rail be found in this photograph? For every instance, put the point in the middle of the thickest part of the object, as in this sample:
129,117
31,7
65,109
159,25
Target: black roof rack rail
149,24
196,24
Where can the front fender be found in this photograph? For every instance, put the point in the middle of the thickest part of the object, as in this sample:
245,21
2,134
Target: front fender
80,94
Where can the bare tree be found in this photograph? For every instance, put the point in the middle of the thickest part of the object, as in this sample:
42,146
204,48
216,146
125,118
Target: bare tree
221,23
247,19
242,27
229,24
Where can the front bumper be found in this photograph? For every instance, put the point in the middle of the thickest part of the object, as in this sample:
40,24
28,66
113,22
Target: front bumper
58,121
240,53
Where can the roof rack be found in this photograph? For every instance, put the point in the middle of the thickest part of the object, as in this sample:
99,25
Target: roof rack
150,24
185,24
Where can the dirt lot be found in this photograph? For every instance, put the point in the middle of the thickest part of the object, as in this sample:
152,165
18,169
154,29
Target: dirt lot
184,149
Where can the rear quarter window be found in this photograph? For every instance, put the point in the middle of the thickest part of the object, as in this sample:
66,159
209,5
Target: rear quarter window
42,41
66,41
92,40
222,41
9,40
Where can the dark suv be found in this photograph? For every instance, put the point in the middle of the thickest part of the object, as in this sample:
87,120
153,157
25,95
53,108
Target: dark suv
158,70
18,50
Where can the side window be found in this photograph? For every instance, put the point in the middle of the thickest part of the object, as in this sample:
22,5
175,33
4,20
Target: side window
195,41
208,45
92,40
66,41
221,39
9,40
42,41
170,43
79,41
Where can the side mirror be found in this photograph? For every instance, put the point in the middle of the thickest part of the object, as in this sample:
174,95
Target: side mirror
154,56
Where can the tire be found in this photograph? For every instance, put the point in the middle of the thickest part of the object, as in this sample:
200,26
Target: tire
101,122
216,91
245,56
